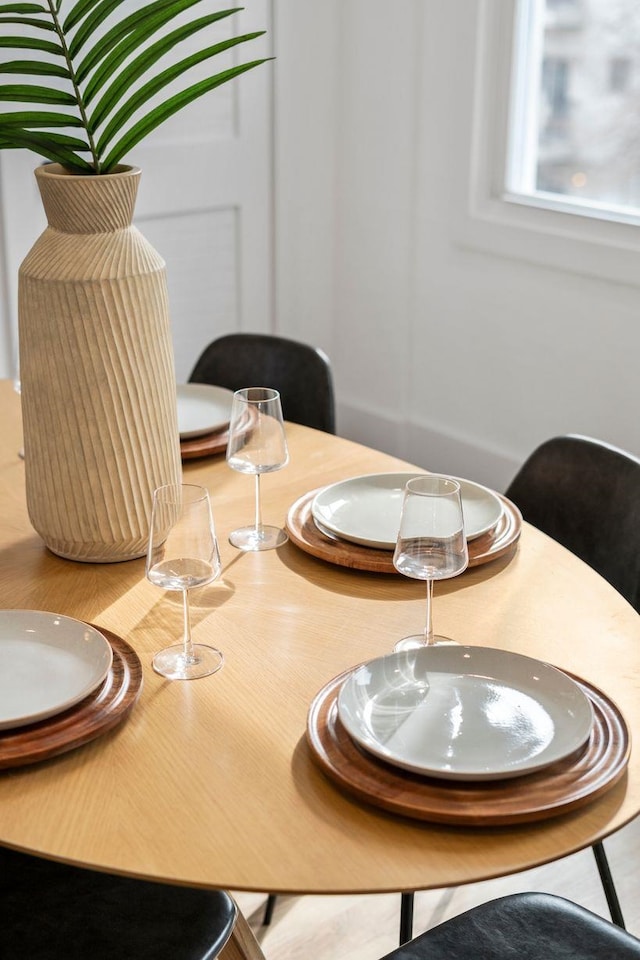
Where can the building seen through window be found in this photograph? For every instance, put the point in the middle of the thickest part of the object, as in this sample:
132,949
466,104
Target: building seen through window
579,63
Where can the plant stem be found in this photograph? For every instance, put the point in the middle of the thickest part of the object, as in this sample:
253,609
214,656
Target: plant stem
53,10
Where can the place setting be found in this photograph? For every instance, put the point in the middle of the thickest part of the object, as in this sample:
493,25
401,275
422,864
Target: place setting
444,731
204,413
354,523
63,682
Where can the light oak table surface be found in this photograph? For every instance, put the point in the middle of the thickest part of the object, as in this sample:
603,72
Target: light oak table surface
210,782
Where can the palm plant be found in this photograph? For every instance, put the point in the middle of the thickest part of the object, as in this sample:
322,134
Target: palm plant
95,69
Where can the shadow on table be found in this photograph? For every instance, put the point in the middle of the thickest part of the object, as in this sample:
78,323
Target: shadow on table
380,586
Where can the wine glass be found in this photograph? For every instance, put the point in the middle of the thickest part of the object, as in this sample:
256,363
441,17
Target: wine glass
183,553
431,542
257,444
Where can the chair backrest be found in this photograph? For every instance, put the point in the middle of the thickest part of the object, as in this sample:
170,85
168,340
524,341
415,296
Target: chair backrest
301,373
586,495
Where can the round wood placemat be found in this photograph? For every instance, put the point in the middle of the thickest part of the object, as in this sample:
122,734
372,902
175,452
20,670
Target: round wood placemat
559,788
93,716
305,534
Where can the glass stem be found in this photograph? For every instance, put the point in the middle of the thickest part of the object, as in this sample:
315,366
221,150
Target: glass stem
428,626
186,620
258,506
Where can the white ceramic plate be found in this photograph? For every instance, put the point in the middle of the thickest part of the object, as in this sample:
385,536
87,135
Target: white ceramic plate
465,713
366,510
202,409
48,663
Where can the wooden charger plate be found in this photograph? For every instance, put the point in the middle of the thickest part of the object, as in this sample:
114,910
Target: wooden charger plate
205,446
93,716
559,788
305,533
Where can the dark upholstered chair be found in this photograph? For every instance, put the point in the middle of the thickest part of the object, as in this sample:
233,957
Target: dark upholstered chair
50,911
301,373
524,926
586,495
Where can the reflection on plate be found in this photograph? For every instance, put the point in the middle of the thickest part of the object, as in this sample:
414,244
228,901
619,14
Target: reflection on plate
202,409
366,510
48,663
465,713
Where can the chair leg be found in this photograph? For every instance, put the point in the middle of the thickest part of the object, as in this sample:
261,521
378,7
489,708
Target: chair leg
268,910
607,883
406,918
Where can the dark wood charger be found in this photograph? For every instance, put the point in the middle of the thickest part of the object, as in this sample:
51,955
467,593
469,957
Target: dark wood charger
305,534
559,788
205,446
93,716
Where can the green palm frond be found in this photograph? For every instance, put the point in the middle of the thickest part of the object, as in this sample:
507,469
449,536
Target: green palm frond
113,60
36,68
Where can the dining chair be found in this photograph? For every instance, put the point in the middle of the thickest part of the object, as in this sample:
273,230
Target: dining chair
586,495
301,373
52,911
527,926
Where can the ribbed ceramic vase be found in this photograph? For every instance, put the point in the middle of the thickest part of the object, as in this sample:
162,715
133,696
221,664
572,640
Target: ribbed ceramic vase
96,367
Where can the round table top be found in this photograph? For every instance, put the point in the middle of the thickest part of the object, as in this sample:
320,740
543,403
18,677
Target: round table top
211,782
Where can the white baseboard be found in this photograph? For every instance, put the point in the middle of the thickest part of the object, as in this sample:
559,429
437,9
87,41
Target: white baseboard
426,446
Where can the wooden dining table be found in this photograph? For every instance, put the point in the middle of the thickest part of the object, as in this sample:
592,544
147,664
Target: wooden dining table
212,783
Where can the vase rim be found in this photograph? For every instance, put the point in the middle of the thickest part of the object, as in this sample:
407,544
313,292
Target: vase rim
58,171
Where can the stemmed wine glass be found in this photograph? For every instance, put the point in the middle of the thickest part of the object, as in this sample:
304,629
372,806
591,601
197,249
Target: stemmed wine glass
257,444
183,553
431,542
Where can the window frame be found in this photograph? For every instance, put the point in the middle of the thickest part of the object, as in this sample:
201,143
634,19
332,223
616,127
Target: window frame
577,236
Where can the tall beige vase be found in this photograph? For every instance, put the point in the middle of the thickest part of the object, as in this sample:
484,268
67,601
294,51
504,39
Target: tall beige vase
96,367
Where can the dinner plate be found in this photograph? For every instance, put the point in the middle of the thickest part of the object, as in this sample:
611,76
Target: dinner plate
366,510
48,663
465,713
202,409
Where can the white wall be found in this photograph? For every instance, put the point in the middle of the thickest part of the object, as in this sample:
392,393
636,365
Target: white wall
457,343
458,357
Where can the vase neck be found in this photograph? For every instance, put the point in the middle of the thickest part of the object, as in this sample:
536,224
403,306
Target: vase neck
77,203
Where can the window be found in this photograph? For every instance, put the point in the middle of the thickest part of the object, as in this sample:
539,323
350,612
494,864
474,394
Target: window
575,128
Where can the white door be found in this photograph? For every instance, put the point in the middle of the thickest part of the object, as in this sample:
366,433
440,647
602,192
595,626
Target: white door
205,204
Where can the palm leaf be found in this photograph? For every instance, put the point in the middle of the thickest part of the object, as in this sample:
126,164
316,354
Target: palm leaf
21,8
102,11
35,67
131,42
143,63
38,118
52,146
32,43
140,18
141,96
29,22
167,109
78,11
30,93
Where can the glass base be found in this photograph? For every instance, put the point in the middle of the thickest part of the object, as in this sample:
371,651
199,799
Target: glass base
174,665
417,641
264,538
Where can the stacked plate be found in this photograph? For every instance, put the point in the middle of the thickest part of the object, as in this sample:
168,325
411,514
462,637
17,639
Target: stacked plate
465,713
48,664
204,412
366,510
